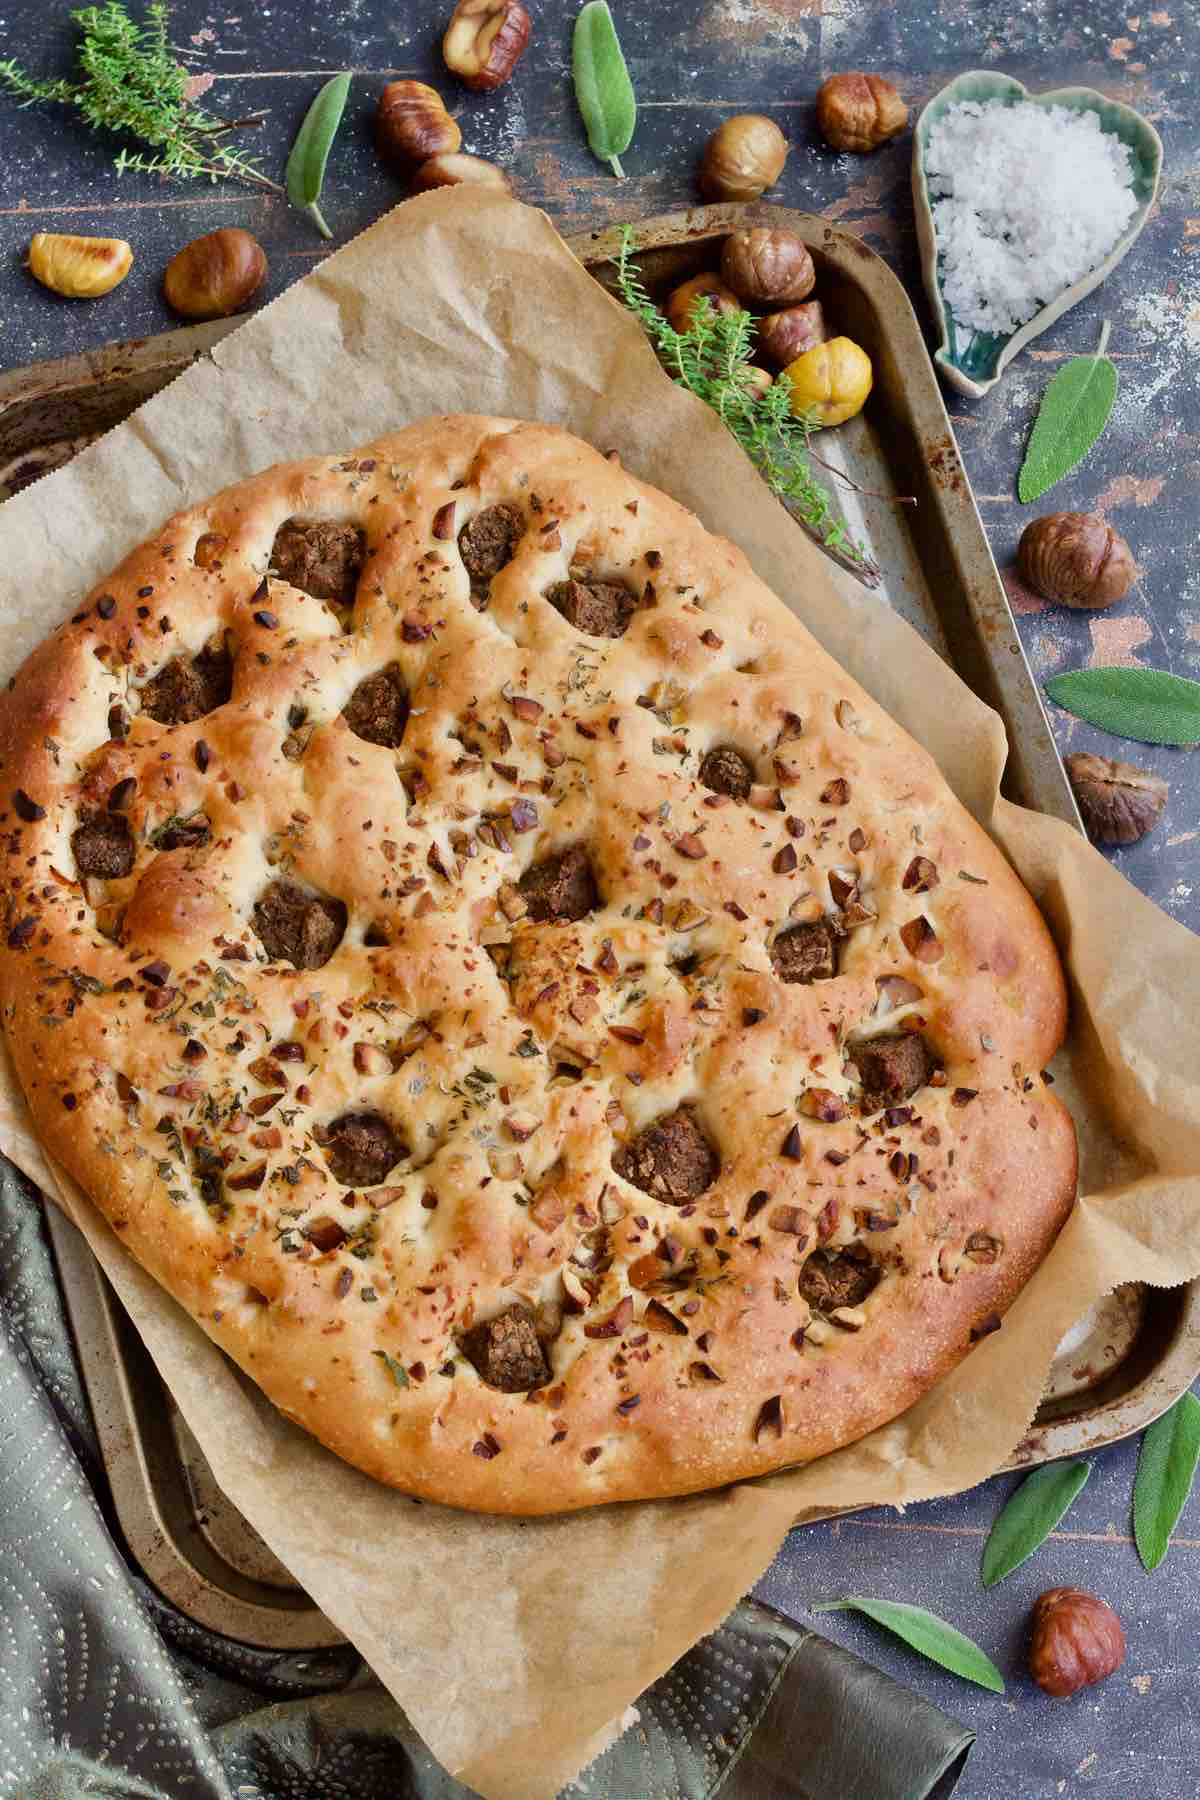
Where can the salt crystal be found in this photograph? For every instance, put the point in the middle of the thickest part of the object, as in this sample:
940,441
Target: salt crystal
1026,200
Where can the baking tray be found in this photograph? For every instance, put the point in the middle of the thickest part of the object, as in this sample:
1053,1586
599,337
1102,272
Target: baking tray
1119,1369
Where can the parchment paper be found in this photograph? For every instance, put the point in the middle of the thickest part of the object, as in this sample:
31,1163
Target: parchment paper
512,1645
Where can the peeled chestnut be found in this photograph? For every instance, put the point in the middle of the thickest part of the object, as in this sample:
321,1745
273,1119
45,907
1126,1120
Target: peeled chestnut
1076,558
767,269
1076,1641
783,336
742,158
82,268
215,275
1118,802
485,40
412,124
859,112
681,303
453,170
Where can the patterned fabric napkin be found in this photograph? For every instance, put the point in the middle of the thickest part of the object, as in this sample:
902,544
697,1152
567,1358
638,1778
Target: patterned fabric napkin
109,1693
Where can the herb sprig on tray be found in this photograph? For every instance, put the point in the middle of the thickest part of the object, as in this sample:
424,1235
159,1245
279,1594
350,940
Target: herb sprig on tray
133,85
712,360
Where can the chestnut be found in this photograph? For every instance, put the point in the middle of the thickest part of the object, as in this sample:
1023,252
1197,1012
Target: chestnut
1118,802
485,40
412,124
768,269
783,336
742,158
1076,558
682,301
215,275
81,268
1076,1641
453,170
859,112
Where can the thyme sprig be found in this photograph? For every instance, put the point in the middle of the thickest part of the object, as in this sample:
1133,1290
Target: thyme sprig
712,360
132,84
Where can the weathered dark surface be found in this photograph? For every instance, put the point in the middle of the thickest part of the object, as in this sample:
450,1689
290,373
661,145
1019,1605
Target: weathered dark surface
693,64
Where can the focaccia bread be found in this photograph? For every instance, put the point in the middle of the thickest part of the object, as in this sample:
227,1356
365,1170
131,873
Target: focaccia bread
531,1007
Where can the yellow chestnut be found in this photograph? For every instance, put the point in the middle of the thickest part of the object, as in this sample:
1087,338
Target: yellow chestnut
683,300
82,268
831,380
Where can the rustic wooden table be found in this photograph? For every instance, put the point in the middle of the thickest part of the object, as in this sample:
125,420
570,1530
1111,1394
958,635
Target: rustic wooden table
694,62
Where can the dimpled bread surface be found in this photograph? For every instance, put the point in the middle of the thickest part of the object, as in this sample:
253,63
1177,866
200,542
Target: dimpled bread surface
532,1008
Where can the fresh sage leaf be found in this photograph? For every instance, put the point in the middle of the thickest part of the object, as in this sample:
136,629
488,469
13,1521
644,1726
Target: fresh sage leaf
310,152
1165,1472
1146,704
1029,1517
930,1636
602,85
1074,411
396,1370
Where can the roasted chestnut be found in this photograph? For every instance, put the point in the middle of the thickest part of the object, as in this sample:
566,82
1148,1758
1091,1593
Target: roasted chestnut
742,158
215,275
768,269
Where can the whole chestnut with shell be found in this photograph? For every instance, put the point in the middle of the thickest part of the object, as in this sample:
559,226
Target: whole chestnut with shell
1076,558
1076,1641
215,275
742,158
766,268
783,336
1118,802
412,124
683,300
859,112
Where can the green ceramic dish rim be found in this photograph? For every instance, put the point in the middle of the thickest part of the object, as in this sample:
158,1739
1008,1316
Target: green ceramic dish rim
980,361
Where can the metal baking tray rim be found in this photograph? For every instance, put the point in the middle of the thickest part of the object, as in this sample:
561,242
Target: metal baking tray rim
75,397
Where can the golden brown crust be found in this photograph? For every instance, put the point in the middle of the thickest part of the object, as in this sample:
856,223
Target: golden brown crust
189,1084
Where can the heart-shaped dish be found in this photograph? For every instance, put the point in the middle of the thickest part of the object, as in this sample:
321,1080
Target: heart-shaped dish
973,361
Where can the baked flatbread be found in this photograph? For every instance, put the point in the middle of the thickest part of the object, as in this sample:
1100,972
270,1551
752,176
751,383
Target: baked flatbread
525,1001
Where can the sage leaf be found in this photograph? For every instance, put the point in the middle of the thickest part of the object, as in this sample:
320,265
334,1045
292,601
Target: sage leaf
1074,411
396,1370
1165,1472
925,1633
310,152
602,85
1030,1516
1146,704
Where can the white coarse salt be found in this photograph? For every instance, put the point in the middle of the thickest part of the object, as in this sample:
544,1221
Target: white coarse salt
1026,200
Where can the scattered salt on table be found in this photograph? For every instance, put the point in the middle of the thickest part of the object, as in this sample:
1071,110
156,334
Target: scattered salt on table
1026,200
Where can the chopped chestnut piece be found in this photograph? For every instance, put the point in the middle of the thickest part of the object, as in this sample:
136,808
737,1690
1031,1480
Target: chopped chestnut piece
830,1279
183,833
487,543
320,558
507,1351
561,888
189,687
727,771
805,953
297,926
360,1148
377,710
103,846
597,608
671,1159
891,1068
